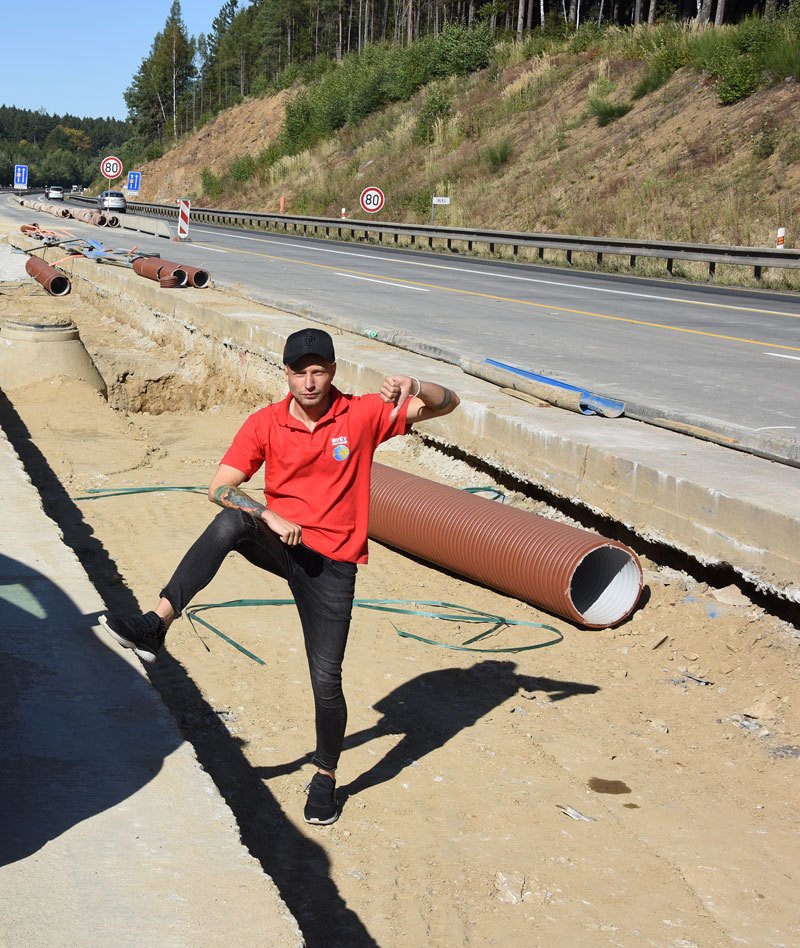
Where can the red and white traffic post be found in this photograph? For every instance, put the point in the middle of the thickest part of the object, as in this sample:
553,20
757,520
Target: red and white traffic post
183,219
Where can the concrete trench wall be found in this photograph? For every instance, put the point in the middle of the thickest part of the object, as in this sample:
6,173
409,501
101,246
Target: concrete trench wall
663,486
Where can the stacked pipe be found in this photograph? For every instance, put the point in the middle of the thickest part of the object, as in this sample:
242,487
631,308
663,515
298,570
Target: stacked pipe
166,273
54,281
570,572
170,274
90,217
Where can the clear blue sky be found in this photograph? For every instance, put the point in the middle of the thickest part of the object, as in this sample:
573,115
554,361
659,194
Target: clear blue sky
80,56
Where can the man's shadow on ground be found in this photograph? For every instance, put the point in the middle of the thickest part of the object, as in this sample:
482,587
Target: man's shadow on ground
433,708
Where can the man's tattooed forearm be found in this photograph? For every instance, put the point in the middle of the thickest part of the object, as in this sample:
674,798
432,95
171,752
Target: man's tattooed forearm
228,496
445,402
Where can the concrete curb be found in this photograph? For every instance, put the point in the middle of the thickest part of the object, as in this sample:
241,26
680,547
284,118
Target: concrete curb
145,225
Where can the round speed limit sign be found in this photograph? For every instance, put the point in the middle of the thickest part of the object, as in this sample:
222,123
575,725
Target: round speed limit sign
372,200
111,167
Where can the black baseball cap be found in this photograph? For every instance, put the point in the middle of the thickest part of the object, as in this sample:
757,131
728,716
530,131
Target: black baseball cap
306,342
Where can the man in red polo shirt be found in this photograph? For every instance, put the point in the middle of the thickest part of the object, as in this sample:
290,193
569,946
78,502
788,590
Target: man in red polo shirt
316,446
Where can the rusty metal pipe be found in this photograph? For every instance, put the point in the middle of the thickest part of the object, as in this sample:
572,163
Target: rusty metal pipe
169,268
168,274
54,281
197,278
580,576
147,267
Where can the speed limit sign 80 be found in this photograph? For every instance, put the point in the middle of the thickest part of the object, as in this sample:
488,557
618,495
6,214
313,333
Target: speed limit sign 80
111,167
372,200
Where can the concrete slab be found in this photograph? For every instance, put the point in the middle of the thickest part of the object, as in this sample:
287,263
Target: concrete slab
110,831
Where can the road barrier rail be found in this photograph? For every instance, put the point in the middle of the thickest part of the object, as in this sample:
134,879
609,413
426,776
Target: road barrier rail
424,235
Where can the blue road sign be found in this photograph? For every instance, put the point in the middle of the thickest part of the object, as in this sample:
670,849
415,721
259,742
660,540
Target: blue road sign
134,180
20,176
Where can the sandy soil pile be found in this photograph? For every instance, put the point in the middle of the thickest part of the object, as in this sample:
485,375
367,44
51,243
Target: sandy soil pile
632,786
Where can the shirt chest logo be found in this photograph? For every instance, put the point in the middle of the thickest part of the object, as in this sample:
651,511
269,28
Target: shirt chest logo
341,452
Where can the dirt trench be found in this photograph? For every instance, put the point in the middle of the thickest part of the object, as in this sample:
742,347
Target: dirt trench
626,787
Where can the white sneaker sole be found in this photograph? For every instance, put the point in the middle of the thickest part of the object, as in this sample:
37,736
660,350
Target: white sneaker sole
145,656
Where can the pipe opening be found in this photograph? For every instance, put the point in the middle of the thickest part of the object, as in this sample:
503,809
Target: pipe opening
606,585
59,286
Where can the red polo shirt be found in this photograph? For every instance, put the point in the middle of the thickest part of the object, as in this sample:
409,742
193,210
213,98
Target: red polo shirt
319,479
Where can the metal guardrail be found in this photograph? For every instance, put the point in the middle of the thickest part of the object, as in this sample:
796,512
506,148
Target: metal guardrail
424,235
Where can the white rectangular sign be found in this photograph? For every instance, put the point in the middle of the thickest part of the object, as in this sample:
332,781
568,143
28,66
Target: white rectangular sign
441,200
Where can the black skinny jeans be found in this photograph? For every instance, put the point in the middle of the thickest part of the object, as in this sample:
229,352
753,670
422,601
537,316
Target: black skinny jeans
323,590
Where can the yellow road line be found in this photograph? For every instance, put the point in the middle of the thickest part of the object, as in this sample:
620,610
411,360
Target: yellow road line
511,299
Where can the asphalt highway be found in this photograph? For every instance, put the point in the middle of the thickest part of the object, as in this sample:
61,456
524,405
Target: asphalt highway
711,354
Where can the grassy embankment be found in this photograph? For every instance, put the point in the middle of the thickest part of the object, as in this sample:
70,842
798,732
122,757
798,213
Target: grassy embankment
649,132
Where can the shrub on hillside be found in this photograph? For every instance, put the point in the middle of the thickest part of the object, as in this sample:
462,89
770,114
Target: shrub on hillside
436,106
782,58
242,169
210,183
607,112
461,51
497,154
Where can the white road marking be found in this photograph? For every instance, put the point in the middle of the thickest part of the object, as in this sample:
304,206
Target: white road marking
212,249
510,276
780,355
402,286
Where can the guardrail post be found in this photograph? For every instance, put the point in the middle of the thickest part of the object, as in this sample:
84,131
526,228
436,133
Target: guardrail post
599,259
491,248
541,252
669,265
712,269
633,261
569,257
515,249
430,243
757,273
469,246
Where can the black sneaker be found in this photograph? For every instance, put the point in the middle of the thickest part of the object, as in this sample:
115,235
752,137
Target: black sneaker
144,634
321,805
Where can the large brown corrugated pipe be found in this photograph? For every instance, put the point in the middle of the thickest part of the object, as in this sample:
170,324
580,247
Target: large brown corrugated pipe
168,274
170,268
54,281
147,267
570,572
197,278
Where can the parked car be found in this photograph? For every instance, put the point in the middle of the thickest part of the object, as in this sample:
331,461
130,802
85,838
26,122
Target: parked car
112,201
54,193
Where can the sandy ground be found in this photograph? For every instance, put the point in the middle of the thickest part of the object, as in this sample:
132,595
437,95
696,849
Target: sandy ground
636,786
